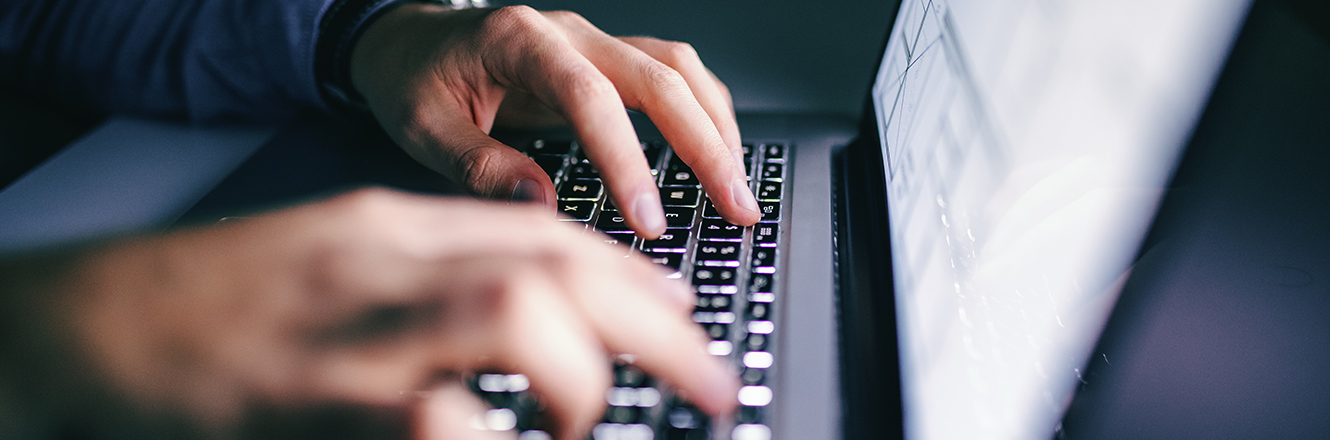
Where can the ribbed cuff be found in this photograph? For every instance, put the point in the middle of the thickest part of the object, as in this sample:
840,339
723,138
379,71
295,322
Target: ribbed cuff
339,29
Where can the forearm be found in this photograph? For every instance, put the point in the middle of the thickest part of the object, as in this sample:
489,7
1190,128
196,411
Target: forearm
205,60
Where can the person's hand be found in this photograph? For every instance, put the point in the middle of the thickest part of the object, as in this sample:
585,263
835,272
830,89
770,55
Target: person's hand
435,79
361,300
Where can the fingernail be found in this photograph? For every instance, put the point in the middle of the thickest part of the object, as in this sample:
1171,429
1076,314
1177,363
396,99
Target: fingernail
743,197
650,214
528,190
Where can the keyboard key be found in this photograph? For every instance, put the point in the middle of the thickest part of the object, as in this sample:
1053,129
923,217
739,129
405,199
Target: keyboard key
759,311
764,234
714,303
612,221
770,211
653,150
673,240
679,196
773,171
671,260
680,178
773,152
759,283
713,229
755,395
756,342
550,163
710,211
629,376
768,191
758,359
578,210
753,376
543,146
580,190
718,251
583,171
717,331
714,276
679,218
764,258
623,238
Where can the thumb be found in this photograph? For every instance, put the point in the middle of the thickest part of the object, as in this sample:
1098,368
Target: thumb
461,151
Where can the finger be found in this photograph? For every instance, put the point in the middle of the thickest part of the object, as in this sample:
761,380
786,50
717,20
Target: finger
548,67
666,343
452,412
449,143
548,341
663,94
711,94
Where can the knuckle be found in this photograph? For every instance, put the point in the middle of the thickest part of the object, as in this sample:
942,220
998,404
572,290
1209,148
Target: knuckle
680,53
476,166
513,19
567,17
583,82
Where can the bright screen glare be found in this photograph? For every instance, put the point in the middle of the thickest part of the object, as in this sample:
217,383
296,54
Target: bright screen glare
1027,144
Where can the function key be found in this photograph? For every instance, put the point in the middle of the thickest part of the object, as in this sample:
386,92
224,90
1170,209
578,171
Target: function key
713,229
678,218
673,240
544,146
768,191
580,190
773,152
764,234
679,195
577,210
770,211
550,163
773,171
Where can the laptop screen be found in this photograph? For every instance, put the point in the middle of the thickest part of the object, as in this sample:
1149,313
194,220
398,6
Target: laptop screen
1026,145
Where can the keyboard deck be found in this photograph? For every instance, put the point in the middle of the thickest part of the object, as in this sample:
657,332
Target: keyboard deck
733,270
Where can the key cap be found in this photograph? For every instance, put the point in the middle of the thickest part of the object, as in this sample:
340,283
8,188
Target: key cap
583,171
710,211
653,150
678,173
770,211
713,303
764,234
612,221
717,331
774,152
679,218
713,229
673,240
718,251
759,283
753,376
577,210
714,276
764,258
679,196
580,190
755,342
773,171
759,311
622,238
768,191
671,260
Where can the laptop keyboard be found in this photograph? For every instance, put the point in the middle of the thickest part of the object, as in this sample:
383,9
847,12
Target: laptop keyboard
733,271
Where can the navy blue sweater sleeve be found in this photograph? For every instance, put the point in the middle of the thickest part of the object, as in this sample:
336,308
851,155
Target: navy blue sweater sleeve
201,60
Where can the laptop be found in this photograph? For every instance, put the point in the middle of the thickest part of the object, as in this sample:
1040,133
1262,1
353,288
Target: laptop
942,270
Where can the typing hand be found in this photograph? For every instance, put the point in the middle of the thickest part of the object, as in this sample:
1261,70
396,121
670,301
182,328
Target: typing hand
436,79
355,303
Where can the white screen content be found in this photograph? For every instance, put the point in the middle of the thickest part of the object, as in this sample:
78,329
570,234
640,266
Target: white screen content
1026,145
